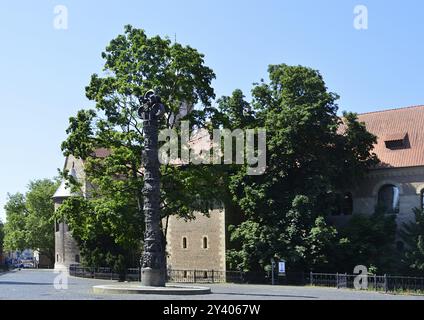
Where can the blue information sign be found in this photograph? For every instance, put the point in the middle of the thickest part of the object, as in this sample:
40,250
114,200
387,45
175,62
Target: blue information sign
282,267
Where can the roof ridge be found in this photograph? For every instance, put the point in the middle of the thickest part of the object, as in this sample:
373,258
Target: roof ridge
392,109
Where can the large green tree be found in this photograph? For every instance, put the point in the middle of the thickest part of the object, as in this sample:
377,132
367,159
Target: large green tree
311,154
413,235
1,237
30,218
110,223
367,240
15,231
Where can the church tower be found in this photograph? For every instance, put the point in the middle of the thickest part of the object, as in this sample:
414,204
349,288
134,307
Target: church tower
66,248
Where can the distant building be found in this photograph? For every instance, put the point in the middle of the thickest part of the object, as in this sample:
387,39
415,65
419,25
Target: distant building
397,183
66,248
17,256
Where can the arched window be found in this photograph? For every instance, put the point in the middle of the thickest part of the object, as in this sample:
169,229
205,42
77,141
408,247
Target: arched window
205,242
388,198
347,204
77,258
57,257
184,243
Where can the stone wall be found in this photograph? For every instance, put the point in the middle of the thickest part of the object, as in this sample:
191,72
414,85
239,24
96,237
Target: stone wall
410,182
195,256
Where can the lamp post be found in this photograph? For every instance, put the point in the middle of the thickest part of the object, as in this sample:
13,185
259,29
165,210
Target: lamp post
153,269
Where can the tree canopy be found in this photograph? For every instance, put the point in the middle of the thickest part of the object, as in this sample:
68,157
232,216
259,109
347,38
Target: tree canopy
30,223
413,236
1,236
113,214
311,154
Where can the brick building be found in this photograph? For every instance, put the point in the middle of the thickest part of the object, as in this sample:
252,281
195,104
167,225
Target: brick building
397,183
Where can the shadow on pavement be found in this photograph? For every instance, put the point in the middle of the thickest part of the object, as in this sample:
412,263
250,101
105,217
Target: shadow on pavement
25,283
264,295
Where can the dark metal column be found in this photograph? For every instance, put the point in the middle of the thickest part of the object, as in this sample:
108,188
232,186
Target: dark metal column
153,269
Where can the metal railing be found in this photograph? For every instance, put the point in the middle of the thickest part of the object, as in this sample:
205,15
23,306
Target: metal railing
177,276
105,273
386,283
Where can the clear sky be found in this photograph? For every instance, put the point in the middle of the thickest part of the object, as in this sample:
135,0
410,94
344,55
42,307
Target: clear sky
44,70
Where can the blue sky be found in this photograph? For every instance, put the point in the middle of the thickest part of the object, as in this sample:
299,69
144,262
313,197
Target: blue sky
44,70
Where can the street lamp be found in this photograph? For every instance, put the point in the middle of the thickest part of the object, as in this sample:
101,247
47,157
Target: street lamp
153,269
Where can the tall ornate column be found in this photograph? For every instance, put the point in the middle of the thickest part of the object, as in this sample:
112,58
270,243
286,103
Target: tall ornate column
153,269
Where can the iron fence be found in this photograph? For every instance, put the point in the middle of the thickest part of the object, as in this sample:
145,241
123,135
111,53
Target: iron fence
386,283
177,276
104,273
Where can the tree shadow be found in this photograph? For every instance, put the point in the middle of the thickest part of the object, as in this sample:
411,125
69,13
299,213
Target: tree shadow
24,283
265,295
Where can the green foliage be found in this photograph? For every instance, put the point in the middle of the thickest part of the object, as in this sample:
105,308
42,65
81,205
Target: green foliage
30,218
308,158
413,235
111,219
367,240
299,238
15,231
97,226
1,236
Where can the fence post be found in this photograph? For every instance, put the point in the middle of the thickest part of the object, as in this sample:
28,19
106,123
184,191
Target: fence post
337,280
194,276
311,278
385,283
375,282
212,277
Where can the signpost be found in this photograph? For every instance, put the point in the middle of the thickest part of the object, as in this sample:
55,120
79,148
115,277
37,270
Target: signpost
272,271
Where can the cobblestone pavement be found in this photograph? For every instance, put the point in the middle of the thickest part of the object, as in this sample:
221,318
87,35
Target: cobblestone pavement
38,284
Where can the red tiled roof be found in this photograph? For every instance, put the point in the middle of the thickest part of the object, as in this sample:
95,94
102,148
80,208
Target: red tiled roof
102,152
396,124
